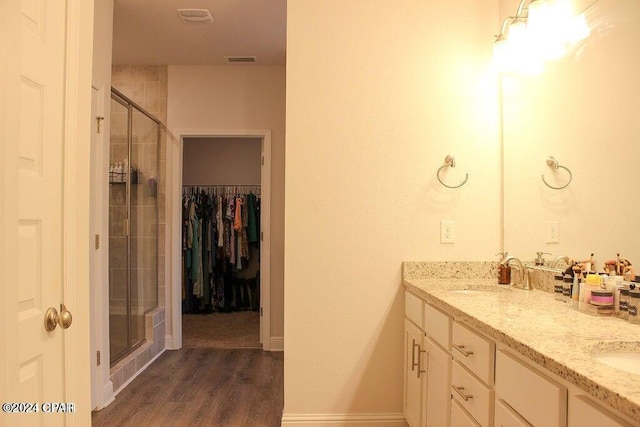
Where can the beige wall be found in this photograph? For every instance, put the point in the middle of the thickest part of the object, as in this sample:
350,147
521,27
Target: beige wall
378,93
221,161
239,97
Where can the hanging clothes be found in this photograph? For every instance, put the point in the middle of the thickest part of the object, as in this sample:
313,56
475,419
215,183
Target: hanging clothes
217,222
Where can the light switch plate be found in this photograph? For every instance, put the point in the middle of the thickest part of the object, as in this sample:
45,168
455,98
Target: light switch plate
447,231
552,232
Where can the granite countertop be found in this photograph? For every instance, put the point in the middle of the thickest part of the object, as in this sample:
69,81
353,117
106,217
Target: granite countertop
544,330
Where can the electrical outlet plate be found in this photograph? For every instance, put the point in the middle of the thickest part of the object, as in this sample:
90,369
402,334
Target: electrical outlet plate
552,232
447,231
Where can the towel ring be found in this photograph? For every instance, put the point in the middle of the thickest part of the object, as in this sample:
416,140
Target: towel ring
451,162
553,163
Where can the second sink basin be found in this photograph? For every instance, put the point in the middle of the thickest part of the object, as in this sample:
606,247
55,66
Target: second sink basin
479,289
623,355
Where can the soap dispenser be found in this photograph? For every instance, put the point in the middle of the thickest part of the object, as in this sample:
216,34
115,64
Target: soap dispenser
540,257
504,271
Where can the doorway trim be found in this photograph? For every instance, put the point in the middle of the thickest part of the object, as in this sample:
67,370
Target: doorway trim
265,227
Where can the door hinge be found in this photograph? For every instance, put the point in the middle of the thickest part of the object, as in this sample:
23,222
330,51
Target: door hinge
98,358
262,236
97,241
261,312
99,119
262,160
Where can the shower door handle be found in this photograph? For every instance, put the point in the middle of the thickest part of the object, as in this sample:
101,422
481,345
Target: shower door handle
53,319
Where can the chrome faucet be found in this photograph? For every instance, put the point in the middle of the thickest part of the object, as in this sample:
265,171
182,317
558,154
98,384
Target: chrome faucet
522,272
566,259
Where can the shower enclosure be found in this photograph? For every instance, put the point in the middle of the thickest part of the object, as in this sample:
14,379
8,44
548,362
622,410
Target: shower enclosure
133,223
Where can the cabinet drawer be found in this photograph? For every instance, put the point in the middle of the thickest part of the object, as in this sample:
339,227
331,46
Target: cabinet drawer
473,351
413,309
437,325
538,399
585,413
480,398
459,418
507,417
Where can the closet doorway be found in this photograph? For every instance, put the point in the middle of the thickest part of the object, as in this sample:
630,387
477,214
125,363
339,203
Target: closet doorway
224,262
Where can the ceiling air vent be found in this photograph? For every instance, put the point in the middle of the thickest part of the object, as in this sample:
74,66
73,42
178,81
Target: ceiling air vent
241,59
195,15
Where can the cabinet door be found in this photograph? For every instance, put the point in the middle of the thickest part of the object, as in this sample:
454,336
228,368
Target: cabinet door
460,418
584,413
438,385
507,417
543,402
414,363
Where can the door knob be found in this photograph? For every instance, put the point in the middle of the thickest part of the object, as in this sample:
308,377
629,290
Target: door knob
53,319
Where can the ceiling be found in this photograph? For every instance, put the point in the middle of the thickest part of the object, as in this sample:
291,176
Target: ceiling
151,32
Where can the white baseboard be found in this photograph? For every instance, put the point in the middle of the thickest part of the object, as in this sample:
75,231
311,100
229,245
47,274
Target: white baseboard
168,343
107,395
344,420
277,343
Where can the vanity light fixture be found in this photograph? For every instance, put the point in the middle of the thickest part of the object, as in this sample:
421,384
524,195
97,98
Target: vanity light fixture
541,30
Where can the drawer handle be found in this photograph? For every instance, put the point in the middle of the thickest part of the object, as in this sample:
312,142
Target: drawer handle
413,355
461,393
462,350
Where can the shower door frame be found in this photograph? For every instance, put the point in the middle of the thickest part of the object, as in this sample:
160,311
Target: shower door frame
130,105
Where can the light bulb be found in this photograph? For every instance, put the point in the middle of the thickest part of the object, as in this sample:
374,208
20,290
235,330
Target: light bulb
538,16
579,29
500,58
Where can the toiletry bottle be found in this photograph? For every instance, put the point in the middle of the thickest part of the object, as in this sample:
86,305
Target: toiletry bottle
566,288
623,310
504,275
118,172
634,304
504,271
557,287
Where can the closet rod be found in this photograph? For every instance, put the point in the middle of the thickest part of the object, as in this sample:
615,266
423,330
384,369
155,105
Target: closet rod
226,188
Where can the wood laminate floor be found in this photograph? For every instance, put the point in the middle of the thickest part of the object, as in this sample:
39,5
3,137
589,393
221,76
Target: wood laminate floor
202,387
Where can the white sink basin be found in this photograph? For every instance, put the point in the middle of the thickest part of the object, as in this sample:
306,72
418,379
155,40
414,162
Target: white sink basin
470,291
624,356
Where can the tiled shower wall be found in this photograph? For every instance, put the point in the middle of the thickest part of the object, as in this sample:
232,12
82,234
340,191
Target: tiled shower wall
146,85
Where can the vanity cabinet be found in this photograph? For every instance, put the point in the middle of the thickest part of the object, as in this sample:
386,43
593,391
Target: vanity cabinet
473,379
427,364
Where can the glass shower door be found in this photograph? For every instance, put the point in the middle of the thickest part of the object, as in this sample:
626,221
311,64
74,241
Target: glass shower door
144,221
118,239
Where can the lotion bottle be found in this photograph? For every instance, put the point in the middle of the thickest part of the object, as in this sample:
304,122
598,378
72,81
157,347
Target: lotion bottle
504,271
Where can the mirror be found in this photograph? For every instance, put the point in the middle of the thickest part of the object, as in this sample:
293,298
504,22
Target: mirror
584,110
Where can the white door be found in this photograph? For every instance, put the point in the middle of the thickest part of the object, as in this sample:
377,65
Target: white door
46,93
